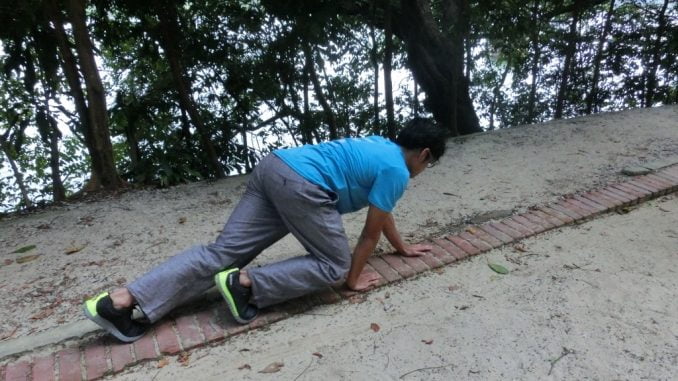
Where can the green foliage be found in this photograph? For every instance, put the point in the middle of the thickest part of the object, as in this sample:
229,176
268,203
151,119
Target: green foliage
246,70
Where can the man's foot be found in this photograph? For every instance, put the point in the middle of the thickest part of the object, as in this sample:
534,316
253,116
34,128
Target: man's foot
236,295
118,322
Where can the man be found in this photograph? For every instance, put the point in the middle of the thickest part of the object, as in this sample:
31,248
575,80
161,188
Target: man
302,191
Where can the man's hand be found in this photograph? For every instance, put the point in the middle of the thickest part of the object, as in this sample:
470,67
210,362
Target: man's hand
366,280
416,250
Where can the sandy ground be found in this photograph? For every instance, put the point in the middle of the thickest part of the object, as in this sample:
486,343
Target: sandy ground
594,301
112,241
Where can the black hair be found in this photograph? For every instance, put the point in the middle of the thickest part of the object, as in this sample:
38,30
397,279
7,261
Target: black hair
420,133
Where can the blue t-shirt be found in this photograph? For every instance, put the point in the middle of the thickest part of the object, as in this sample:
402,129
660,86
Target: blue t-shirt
359,170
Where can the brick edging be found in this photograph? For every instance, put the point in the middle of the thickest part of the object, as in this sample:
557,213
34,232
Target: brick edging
94,359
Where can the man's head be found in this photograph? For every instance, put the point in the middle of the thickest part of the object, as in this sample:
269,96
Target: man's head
423,143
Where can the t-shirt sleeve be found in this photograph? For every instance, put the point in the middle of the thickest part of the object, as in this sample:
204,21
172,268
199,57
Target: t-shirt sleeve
387,188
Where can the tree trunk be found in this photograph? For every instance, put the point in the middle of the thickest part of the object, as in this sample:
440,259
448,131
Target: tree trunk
656,51
592,98
18,176
388,67
415,100
101,153
437,60
536,48
170,37
374,57
330,119
569,55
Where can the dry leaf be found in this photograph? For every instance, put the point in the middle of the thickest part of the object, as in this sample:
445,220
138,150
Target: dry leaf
387,295
74,249
27,258
244,366
318,355
8,335
42,314
375,327
24,249
9,262
427,342
182,220
184,358
163,362
357,299
519,247
471,229
272,367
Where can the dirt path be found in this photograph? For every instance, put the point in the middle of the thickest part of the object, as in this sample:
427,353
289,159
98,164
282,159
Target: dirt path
113,241
593,301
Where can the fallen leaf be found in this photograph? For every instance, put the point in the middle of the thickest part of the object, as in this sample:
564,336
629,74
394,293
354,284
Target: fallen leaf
375,327
318,355
499,269
24,249
387,295
163,362
471,230
43,227
454,287
245,350
357,299
74,249
519,247
42,314
182,220
427,342
9,262
272,367
184,358
27,258
244,366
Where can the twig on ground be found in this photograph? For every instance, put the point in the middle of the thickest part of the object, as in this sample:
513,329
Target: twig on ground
428,368
566,352
309,365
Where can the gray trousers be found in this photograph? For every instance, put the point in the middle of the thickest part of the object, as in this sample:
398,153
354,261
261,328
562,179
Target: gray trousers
277,201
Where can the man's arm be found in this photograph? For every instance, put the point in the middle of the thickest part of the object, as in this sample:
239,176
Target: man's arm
376,218
397,242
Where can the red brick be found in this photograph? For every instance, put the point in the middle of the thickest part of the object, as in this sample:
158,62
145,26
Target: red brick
43,368
506,230
267,317
671,179
647,193
654,190
121,356
642,181
384,269
144,348
95,361
628,199
451,248
598,197
69,365
234,328
416,263
531,226
585,210
463,244
669,175
441,254
431,260
545,224
398,265
478,242
18,371
612,195
189,333
208,325
599,207
503,237
168,342
483,236
329,296
567,211
635,193
666,184
525,232
563,218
